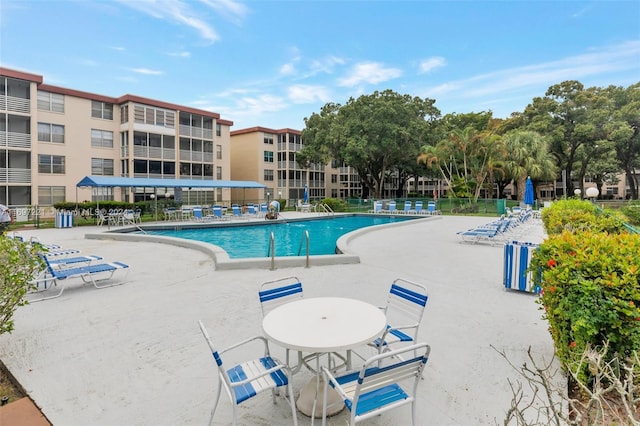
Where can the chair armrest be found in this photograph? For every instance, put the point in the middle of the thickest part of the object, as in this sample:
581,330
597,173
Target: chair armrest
244,342
330,378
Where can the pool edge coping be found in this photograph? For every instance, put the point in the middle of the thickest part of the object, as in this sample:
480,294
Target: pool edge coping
222,261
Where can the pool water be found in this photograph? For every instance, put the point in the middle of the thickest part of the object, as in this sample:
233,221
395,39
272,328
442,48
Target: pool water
252,240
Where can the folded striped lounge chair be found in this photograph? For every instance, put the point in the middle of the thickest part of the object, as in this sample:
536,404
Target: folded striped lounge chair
92,273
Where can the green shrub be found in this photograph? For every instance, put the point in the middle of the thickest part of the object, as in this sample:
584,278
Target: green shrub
591,291
18,264
336,204
578,215
632,212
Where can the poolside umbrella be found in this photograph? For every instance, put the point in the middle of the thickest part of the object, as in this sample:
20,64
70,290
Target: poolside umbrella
528,192
306,194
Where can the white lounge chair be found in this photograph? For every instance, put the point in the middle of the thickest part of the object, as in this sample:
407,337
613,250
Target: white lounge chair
58,276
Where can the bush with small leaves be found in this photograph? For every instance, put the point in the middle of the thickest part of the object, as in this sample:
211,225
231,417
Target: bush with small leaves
19,261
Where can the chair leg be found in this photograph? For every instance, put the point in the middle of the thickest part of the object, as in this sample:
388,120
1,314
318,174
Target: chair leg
292,403
215,404
413,413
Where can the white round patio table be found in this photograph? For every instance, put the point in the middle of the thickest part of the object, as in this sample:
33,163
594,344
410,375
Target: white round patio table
323,325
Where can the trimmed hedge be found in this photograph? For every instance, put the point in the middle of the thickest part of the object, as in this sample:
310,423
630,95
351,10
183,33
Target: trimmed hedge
590,279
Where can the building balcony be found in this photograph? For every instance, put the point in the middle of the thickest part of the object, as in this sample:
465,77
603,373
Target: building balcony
14,175
153,152
14,104
196,132
15,140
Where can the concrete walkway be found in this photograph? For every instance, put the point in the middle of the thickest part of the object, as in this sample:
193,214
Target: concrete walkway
133,354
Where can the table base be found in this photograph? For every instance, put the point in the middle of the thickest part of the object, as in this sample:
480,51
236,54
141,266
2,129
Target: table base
307,395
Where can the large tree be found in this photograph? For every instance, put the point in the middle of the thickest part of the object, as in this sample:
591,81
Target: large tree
528,156
565,116
374,134
466,159
623,129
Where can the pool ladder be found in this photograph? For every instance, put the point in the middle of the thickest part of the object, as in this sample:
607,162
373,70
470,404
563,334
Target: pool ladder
271,251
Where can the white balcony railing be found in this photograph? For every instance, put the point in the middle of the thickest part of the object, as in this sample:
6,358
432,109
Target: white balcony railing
15,140
14,175
14,104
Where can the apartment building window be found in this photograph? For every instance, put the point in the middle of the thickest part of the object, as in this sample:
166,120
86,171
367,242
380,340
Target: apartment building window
102,166
334,178
208,170
124,114
268,156
48,101
49,195
218,152
218,130
51,164
50,133
102,194
101,110
154,116
219,173
101,138
268,175
268,138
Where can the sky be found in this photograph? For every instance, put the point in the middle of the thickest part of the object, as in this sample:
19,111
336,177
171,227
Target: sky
274,63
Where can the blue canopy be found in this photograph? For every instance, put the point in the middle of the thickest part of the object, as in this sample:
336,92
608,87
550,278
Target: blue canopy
112,181
528,192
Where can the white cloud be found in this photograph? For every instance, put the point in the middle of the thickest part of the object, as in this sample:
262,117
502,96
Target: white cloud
427,65
176,11
616,58
325,65
118,48
146,71
287,69
231,10
369,72
181,54
306,94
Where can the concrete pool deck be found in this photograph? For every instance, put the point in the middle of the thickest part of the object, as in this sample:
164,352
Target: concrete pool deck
133,354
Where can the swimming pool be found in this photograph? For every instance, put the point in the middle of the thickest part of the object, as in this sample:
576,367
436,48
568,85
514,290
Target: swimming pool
251,240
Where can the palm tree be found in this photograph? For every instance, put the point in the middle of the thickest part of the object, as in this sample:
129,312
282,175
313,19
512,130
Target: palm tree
528,155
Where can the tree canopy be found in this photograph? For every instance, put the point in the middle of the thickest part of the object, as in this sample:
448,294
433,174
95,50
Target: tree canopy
374,134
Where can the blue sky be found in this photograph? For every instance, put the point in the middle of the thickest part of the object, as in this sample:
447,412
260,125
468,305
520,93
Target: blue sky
273,63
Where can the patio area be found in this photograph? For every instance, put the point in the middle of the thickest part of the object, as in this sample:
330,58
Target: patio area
133,354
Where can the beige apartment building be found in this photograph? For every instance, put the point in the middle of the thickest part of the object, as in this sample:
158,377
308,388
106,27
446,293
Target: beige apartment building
269,156
51,137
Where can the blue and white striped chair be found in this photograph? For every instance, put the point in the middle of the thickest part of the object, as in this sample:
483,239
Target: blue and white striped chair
404,310
249,378
382,384
278,292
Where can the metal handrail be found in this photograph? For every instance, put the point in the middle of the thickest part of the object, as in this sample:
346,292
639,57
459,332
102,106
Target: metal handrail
326,208
271,251
305,237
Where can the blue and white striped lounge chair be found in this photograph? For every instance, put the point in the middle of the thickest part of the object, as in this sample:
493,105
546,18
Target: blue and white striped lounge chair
404,310
407,207
78,260
237,212
385,381
391,207
418,209
432,208
58,276
377,207
249,378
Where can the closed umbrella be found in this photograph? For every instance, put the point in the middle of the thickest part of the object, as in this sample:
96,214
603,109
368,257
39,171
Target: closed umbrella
306,195
528,192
